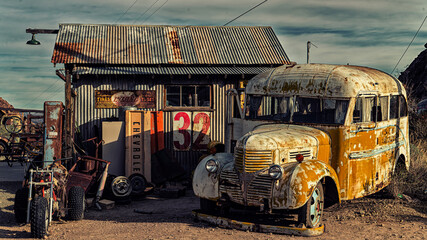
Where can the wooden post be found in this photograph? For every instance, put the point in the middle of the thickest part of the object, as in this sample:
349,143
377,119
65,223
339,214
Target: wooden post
68,150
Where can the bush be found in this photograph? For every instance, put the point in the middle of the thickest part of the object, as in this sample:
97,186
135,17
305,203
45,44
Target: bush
417,127
414,182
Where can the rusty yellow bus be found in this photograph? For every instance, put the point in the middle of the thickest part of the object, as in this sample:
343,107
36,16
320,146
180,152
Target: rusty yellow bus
309,136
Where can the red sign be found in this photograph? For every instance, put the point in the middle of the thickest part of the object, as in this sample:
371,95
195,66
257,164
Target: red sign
125,99
116,98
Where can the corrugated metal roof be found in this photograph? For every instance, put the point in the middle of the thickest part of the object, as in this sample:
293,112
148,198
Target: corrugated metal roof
169,70
121,44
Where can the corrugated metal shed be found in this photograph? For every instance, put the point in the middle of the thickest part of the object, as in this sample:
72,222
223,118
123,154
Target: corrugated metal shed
183,70
122,44
149,58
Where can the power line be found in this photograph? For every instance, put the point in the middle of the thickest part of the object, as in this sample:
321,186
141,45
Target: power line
409,45
127,10
56,92
53,84
245,12
144,12
155,11
159,36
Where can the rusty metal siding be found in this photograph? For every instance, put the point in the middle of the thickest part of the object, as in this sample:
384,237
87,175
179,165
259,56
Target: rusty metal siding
189,159
120,44
87,116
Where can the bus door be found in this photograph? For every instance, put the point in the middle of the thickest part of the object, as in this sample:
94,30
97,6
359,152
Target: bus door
362,144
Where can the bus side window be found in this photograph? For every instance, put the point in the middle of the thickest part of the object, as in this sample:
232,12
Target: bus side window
383,108
266,106
393,107
280,108
357,112
365,109
252,106
403,106
370,109
341,111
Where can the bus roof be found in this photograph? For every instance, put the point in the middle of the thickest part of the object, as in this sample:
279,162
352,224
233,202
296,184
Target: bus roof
323,80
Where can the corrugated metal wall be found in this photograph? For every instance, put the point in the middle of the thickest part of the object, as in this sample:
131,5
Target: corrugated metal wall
88,117
189,159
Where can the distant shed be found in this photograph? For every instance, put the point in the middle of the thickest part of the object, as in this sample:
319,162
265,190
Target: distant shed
180,70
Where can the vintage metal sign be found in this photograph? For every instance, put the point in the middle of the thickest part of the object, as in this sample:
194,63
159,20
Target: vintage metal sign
191,130
138,150
119,98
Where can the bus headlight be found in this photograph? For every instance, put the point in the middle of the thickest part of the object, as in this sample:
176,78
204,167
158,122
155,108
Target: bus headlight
212,166
275,172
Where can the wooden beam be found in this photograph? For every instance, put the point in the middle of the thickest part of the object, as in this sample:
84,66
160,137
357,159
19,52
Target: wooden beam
41,31
60,75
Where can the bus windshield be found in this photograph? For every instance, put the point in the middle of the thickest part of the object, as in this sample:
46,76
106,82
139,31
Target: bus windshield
296,109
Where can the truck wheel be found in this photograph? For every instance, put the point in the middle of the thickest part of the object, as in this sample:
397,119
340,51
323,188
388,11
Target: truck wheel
138,183
311,213
20,205
121,187
207,206
39,217
76,203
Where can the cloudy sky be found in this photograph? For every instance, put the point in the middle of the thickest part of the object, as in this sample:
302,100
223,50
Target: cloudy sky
369,33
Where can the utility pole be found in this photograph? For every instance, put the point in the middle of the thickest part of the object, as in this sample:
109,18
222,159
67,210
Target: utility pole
308,50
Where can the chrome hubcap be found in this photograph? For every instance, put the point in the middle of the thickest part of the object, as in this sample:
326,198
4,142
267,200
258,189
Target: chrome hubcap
316,207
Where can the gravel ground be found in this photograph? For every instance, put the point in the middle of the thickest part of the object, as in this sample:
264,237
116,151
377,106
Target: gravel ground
366,218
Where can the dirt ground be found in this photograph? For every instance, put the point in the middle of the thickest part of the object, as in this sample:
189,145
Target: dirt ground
367,218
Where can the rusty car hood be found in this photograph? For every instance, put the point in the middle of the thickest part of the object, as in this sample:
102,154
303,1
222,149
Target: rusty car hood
278,136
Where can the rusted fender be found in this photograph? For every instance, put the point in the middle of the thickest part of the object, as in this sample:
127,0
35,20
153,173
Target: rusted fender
205,184
296,186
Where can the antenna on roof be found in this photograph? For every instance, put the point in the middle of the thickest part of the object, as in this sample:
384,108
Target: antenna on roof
308,50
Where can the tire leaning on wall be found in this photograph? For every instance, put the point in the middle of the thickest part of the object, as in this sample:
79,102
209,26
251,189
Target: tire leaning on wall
76,203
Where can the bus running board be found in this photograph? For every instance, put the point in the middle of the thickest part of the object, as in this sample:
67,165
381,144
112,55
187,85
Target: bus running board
254,227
